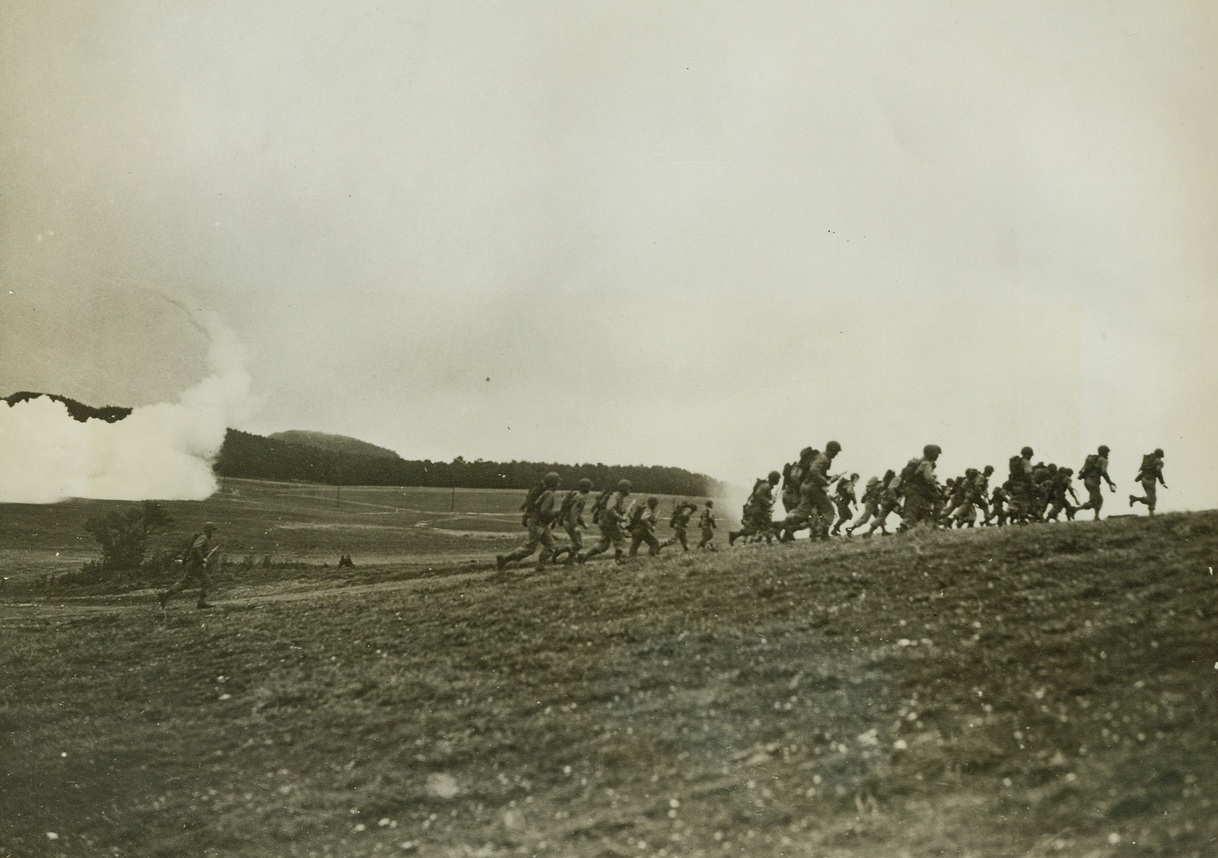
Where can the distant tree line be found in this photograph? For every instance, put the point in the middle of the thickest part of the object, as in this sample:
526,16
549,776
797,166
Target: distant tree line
78,410
249,456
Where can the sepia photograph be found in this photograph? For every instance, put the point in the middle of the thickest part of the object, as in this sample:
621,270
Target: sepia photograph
589,430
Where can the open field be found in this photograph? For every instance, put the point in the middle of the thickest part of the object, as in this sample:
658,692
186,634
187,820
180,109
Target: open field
291,523
1047,690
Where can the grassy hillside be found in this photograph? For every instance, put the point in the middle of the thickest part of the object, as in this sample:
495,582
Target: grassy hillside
333,443
1035,691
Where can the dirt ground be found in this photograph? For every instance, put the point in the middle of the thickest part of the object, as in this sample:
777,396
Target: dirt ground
1047,690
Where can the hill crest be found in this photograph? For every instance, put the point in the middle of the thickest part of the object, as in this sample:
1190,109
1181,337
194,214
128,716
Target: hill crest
333,443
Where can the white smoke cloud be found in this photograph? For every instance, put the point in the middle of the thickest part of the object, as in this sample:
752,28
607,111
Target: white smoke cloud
163,451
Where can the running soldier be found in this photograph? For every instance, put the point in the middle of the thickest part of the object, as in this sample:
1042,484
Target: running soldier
757,516
1150,473
870,500
679,522
643,527
1019,504
845,501
1095,469
612,520
707,525
920,486
998,505
815,510
1062,486
571,517
793,476
890,502
540,514
195,561
965,500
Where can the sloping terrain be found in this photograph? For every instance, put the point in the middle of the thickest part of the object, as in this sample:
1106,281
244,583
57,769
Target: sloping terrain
1026,691
333,443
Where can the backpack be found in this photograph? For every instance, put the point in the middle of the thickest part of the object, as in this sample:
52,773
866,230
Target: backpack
598,507
1016,467
567,503
531,499
911,468
530,502
676,517
754,497
1148,465
1090,465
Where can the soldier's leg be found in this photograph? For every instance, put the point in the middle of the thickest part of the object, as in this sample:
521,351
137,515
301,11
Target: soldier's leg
546,538
524,550
602,545
204,587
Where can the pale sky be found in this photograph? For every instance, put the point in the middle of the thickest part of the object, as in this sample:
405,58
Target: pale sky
702,235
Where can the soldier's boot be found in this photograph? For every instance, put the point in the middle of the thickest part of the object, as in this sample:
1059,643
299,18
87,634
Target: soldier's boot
617,556
1132,500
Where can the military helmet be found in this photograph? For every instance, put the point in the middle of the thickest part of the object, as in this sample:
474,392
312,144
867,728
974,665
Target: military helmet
854,476
623,485
653,501
1103,449
585,483
931,450
209,526
833,447
989,469
1026,451
1159,451
550,479
775,476
710,503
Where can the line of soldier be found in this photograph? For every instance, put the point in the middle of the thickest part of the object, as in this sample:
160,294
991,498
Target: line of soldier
614,511
1032,493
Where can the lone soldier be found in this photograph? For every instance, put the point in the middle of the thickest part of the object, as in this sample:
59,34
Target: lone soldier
706,524
539,513
571,517
612,522
196,559
643,527
1150,473
679,522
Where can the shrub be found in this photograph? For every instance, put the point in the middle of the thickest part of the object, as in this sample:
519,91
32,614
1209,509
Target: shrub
123,534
